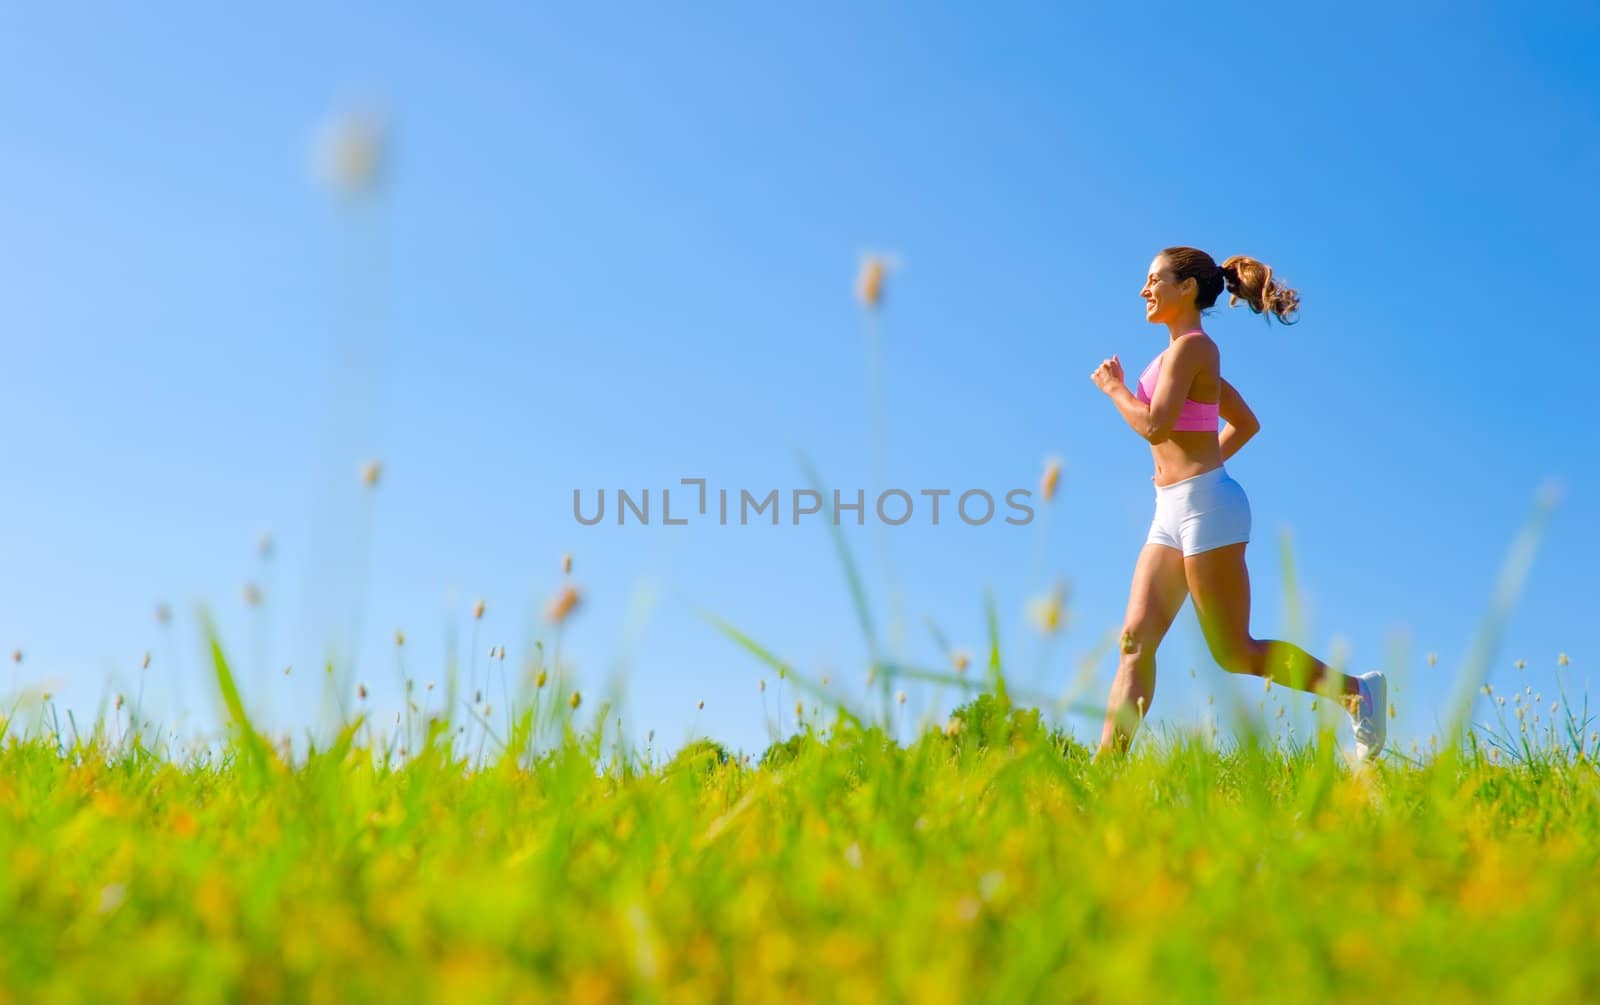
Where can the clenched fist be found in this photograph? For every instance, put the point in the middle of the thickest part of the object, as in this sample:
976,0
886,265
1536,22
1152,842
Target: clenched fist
1108,375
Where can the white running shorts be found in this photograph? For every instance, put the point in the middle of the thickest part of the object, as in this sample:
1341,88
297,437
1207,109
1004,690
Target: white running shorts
1198,514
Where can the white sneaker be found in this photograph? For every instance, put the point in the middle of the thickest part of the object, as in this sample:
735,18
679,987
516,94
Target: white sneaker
1370,717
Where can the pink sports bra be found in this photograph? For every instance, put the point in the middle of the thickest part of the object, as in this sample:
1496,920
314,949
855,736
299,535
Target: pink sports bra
1195,417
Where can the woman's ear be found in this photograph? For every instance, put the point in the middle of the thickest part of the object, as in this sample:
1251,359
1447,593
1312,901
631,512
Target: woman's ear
1192,287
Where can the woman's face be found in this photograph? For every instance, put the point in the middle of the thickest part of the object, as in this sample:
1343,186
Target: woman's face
1164,297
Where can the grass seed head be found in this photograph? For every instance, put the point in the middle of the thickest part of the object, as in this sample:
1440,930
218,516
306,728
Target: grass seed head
563,604
566,564
146,664
870,281
961,659
1051,479
575,700
399,637
371,472
361,691
1049,613
350,152
540,680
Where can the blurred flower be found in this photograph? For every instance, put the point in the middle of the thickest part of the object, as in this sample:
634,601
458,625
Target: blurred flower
119,703
763,685
351,150
1050,479
1433,658
961,659
361,691
252,595
399,637
540,680
371,471
1561,660
477,610
566,564
900,696
562,605
701,707
575,700
146,664
1519,664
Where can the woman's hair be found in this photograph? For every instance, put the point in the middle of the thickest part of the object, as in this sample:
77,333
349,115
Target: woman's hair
1243,277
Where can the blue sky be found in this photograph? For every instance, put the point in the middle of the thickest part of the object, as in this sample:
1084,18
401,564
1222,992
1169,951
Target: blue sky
617,248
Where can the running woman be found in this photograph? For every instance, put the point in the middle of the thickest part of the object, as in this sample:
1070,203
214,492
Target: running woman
1202,521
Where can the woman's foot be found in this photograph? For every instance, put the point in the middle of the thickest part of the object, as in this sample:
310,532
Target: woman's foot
1370,715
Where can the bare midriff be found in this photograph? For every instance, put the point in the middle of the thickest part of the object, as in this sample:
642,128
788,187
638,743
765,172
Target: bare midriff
1185,454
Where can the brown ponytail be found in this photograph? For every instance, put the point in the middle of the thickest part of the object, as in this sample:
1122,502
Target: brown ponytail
1243,277
1252,282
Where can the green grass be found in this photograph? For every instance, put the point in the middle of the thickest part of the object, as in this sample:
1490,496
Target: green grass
517,855
987,861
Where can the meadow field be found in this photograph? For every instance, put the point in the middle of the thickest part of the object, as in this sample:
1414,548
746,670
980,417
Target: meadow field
988,859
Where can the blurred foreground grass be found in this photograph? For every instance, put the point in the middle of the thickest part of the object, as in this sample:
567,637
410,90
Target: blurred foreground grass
988,861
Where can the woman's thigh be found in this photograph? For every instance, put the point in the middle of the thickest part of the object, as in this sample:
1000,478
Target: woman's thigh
1156,596
1219,582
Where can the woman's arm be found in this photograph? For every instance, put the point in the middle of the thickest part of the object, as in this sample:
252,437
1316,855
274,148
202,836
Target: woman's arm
1242,423
1154,421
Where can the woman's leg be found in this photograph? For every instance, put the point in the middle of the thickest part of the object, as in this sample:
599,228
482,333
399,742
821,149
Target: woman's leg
1220,584
1153,601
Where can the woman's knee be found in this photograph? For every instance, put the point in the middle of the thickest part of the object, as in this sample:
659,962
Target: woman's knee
1139,640
1236,655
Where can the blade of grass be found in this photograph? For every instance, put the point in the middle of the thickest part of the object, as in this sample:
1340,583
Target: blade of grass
1508,587
997,677
784,669
852,575
254,747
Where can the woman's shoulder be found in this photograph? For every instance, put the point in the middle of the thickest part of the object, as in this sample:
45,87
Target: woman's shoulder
1194,345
